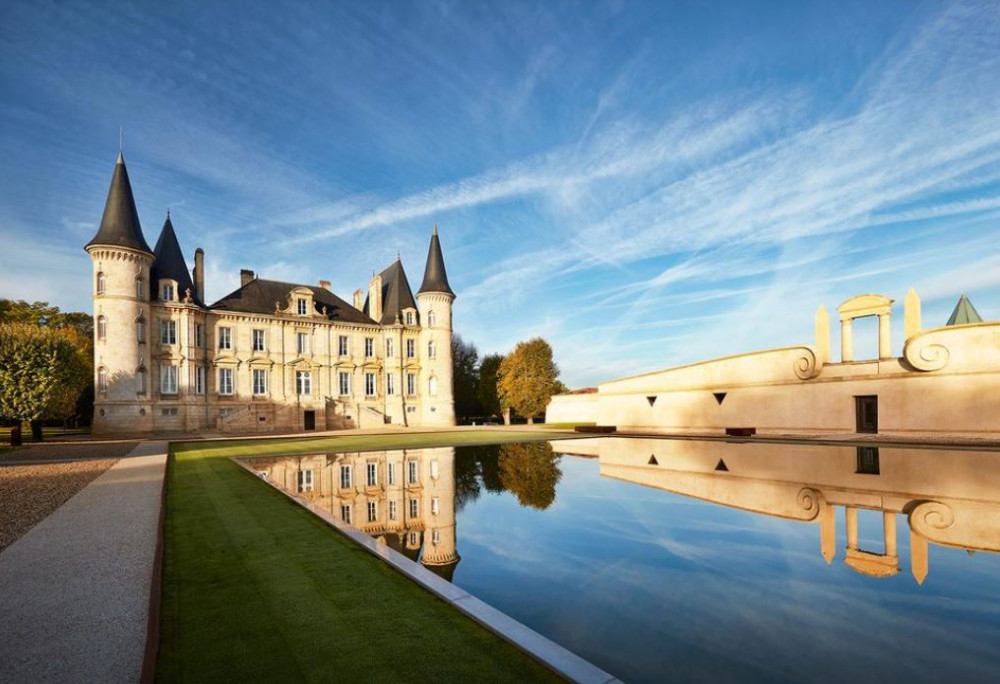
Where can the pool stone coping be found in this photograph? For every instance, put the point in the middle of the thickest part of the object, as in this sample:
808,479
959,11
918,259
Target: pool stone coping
557,658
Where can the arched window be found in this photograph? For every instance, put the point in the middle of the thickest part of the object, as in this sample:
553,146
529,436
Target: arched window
140,292
431,319
140,380
432,386
102,379
102,283
102,328
432,350
140,330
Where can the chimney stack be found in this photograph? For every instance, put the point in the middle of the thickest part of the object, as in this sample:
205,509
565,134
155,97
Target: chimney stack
246,277
359,299
199,274
325,284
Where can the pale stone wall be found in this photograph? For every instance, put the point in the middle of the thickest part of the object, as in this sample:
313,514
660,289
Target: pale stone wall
438,409
945,381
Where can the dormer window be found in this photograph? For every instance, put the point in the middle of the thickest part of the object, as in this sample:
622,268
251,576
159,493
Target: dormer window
409,318
167,292
102,283
302,306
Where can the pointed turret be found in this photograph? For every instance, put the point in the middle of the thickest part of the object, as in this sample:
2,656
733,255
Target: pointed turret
435,276
392,295
964,313
170,264
120,222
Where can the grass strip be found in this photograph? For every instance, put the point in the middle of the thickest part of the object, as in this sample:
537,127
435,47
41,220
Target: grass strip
258,589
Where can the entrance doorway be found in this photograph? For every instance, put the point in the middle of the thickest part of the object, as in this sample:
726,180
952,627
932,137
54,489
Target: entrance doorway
866,413
309,419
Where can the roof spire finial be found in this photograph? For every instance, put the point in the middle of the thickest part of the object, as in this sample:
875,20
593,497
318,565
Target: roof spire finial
168,212
435,231
121,144
398,258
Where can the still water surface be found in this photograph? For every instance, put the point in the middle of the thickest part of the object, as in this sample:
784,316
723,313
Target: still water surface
691,560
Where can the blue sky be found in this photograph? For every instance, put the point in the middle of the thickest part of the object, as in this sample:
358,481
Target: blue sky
643,184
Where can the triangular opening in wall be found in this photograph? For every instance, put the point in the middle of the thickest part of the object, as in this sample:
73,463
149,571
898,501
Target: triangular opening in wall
651,400
653,461
719,397
721,465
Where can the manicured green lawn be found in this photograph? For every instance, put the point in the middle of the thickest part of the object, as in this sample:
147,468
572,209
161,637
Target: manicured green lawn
256,588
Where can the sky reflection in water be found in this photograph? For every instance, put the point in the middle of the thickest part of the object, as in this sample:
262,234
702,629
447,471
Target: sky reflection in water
654,585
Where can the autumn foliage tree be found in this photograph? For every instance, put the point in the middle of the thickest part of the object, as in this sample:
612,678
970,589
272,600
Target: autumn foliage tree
42,372
528,377
486,390
530,470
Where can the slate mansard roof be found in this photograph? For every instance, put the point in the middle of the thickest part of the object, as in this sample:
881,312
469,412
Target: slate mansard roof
396,293
259,296
170,263
120,222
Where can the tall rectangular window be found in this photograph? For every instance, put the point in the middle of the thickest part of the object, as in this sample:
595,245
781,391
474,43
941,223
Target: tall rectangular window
345,514
102,328
302,343
345,477
259,381
168,379
258,340
140,289
167,293
199,335
435,505
226,381
342,347
411,349
102,283
369,347
302,304
412,471
390,347
413,508
432,350
390,384
225,338
199,380
305,480
372,474
393,510
370,390
303,382
140,330
168,332
409,318
411,384
372,511
435,537
391,472
140,380
344,380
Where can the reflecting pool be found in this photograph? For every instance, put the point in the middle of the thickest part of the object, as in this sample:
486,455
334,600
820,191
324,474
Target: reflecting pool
692,560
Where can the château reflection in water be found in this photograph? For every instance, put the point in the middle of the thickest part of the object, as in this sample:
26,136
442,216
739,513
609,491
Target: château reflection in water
683,559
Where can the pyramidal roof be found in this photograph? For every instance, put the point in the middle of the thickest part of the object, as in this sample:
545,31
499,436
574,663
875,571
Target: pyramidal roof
396,293
964,313
120,222
435,275
170,263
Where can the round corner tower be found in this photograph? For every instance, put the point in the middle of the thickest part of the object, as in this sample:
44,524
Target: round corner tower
435,299
121,261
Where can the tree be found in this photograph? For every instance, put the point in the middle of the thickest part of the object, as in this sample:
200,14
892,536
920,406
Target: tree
465,376
42,373
530,470
486,391
528,378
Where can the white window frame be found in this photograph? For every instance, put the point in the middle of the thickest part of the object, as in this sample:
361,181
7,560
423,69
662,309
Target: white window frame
435,505
140,380
369,347
168,379
167,292
414,508
302,343
409,318
435,536
393,510
102,283
102,328
303,383
302,306
391,472
226,382
199,379
140,330
411,348
411,384
345,513
304,480
390,384
258,378
431,319
344,383
371,474
346,478
259,340
390,347
432,350
168,331
225,338
102,379
412,473
372,511
343,345
140,292
432,386
199,335
370,385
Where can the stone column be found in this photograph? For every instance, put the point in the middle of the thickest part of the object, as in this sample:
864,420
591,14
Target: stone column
889,531
827,533
847,340
918,557
852,527
884,337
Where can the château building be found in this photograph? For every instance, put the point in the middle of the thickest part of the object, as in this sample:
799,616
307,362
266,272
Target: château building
268,356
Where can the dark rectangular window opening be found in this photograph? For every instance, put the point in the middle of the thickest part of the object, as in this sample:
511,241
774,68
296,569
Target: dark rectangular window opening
866,413
867,461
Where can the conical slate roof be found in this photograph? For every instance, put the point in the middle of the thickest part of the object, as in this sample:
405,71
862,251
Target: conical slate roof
170,263
120,222
435,276
396,294
964,313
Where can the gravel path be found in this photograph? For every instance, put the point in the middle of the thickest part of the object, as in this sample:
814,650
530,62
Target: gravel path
67,452
29,493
